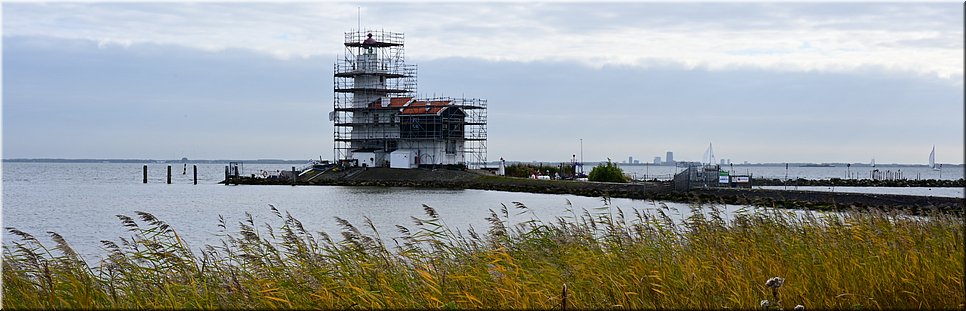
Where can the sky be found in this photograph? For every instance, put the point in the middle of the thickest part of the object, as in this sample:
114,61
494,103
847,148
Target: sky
762,82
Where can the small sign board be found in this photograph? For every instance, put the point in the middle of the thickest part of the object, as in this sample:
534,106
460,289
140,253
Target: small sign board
723,179
742,179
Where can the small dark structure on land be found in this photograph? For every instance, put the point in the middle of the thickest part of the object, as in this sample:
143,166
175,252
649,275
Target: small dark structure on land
708,176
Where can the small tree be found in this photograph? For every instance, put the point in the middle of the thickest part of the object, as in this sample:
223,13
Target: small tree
609,172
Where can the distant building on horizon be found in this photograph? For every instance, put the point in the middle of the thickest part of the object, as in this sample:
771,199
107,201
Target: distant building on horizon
657,160
669,158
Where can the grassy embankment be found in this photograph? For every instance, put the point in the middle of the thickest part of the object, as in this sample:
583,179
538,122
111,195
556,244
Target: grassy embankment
588,260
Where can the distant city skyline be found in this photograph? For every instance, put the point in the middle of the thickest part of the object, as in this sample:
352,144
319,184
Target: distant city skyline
765,82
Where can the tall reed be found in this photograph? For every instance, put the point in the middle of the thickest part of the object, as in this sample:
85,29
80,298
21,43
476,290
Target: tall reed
596,258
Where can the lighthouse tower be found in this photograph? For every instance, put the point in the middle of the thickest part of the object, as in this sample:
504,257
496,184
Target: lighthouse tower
370,76
379,122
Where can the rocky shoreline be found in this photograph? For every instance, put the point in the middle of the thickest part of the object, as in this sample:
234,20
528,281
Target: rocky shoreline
459,179
837,182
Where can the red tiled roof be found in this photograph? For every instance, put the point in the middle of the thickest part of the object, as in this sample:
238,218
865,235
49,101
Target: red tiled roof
420,107
393,102
399,101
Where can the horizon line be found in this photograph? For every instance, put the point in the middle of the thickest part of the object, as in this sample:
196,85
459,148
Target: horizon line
185,160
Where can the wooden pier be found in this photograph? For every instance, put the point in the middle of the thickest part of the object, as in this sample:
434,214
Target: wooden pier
144,174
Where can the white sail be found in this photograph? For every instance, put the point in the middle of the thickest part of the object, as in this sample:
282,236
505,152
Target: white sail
873,162
932,158
708,156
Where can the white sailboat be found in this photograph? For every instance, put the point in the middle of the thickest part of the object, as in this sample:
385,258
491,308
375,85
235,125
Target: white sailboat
708,155
932,159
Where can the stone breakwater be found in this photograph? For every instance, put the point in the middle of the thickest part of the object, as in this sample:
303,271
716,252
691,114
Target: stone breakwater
456,179
828,200
836,182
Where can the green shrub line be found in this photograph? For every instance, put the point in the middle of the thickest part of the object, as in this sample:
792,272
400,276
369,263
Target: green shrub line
599,258
607,172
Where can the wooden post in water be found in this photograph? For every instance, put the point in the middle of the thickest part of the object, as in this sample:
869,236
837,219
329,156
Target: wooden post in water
226,175
294,176
145,173
169,174
195,170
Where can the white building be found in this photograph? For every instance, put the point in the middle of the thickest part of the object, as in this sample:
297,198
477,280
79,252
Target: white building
379,122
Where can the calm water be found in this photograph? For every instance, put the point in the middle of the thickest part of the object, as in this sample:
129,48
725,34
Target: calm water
778,172
793,172
80,202
925,191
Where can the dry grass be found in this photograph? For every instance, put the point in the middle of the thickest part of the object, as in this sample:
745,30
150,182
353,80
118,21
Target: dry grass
599,259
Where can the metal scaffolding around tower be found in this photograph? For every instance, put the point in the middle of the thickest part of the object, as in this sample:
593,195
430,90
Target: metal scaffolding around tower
378,119
470,126
373,67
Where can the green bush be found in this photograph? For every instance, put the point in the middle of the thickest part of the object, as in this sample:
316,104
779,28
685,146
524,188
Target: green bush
609,172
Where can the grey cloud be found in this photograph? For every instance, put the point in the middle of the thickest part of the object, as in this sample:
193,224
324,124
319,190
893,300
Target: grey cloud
584,17
61,97
944,41
476,18
64,95
655,108
692,33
